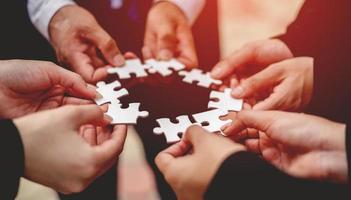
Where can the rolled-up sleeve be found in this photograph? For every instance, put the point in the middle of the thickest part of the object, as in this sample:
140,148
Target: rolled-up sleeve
41,12
191,8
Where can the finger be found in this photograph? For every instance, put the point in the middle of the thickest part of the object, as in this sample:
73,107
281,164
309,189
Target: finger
110,149
82,65
164,158
130,55
260,120
71,82
89,134
273,102
96,60
258,82
108,46
75,101
253,145
149,49
84,114
195,135
166,43
187,49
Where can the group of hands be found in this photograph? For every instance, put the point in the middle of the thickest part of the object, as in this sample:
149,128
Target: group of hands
70,142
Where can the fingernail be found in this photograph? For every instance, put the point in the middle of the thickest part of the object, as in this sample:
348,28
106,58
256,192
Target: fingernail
118,60
92,89
238,92
98,96
217,71
165,54
108,118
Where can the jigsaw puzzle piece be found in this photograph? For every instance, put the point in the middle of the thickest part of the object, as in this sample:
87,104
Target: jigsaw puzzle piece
202,79
131,66
108,93
128,115
225,101
164,67
172,130
212,119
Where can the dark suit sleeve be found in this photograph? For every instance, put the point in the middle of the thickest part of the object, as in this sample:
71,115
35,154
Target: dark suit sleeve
246,176
12,159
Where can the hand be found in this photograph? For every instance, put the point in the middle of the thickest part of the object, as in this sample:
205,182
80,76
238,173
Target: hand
265,72
55,154
82,44
30,86
179,166
300,145
168,34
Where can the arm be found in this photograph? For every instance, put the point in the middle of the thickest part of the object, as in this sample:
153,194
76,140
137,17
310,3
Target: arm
42,11
191,9
348,150
12,153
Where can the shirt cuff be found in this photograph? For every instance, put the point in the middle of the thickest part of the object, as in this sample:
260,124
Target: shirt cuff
191,8
42,12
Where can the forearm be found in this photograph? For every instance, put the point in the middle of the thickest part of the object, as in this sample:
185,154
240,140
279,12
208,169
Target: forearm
191,8
12,154
42,11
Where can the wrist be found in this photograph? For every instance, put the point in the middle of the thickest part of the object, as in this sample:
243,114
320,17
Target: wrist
171,9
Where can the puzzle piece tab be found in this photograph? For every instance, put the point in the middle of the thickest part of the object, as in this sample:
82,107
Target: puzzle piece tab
202,79
212,118
164,67
108,93
172,130
225,101
131,66
128,115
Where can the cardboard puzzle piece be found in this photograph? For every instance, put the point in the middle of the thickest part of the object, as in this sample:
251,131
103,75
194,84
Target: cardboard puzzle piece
108,92
225,101
172,130
212,119
202,79
131,66
128,115
164,67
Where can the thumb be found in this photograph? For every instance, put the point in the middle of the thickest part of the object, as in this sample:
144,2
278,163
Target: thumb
260,120
84,114
108,46
196,135
166,44
262,80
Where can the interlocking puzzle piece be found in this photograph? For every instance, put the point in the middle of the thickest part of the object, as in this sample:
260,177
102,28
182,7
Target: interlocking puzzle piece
202,79
212,119
108,93
131,66
172,130
164,67
225,101
128,115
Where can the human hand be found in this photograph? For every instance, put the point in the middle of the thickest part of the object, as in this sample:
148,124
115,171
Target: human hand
198,148
55,154
300,145
168,35
30,86
82,44
265,72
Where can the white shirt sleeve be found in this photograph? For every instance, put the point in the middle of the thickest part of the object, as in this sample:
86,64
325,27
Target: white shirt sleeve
191,8
41,12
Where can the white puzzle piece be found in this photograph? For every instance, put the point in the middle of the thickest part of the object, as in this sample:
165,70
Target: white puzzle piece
212,117
131,66
225,101
202,79
108,93
170,129
128,115
164,67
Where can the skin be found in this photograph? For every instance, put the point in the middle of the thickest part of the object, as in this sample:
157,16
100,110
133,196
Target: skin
300,145
266,74
181,161
168,35
31,86
56,156
82,44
